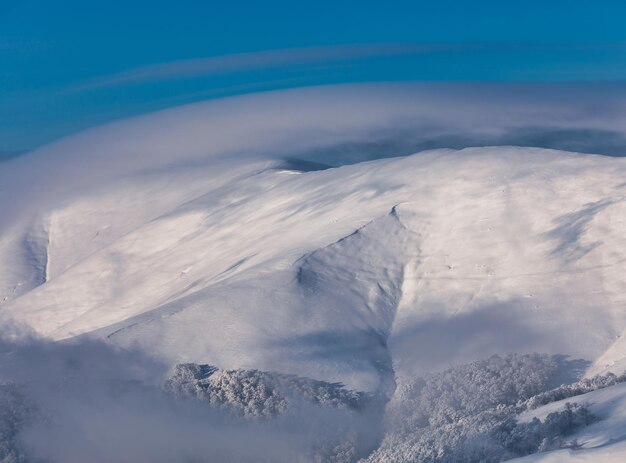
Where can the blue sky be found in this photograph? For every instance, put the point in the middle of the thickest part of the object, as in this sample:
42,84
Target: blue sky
68,65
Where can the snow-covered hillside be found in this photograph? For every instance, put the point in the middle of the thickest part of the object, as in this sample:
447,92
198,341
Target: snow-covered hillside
334,273
366,274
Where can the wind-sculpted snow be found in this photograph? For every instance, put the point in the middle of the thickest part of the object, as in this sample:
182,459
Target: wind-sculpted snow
326,331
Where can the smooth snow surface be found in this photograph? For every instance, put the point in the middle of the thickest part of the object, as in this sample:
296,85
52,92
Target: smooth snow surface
357,274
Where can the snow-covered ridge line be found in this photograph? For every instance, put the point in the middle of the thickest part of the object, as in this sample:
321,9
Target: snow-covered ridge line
368,265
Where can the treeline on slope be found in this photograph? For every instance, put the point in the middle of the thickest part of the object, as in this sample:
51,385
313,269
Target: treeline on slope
468,413
465,414
566,391
346,423
326,421
262,394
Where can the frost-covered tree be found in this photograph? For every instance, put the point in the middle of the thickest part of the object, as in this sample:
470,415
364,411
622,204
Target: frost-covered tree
526,438
566,391
260,394
467,414
341,425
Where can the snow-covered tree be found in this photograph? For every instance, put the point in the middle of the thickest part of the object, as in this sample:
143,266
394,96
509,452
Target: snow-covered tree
467,414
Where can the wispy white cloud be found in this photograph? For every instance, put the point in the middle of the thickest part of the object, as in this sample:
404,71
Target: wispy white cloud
268,59
310,57
349,123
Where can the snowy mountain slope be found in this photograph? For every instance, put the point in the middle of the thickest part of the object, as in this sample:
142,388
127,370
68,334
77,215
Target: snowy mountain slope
211,234
456,255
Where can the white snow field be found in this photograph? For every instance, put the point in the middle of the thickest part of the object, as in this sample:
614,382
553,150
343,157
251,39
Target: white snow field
187,234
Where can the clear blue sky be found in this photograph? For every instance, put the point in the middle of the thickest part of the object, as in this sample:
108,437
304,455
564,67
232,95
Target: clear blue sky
69,64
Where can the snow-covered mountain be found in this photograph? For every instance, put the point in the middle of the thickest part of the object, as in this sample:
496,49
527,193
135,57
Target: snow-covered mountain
194,241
